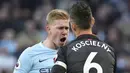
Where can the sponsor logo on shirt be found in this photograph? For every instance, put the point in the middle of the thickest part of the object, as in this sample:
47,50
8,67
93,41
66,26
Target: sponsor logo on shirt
43,60
45,70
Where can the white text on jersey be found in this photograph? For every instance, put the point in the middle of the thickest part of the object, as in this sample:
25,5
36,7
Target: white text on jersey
91,43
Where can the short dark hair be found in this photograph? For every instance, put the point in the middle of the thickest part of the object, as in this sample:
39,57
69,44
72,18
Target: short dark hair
80,13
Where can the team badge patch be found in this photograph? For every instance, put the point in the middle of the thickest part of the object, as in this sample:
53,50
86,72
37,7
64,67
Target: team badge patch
17,66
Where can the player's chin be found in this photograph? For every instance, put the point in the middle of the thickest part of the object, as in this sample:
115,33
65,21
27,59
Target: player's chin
62,43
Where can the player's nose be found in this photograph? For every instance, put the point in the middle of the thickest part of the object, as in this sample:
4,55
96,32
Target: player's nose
65,31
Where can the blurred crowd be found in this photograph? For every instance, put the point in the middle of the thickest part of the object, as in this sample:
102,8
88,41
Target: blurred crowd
22,24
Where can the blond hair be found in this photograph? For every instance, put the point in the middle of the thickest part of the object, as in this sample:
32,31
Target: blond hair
56,14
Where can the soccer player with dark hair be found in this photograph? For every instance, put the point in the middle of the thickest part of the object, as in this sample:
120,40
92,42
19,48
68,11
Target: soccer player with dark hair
85,54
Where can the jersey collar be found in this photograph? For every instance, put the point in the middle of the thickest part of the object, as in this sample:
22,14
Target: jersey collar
88,36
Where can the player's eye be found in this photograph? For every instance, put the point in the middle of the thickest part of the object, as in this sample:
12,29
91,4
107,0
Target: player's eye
61,28
66,28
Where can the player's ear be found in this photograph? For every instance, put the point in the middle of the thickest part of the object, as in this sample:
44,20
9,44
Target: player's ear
73,27
47,28
92,21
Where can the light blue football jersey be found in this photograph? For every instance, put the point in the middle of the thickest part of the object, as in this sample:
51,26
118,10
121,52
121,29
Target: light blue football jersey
36,59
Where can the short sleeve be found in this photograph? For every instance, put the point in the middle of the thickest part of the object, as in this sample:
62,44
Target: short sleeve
23,64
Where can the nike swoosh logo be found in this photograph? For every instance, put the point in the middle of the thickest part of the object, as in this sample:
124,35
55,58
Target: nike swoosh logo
44,60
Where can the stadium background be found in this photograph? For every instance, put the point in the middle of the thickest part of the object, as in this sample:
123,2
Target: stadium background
22,25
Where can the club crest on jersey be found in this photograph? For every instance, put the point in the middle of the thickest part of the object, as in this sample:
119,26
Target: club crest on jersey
17,66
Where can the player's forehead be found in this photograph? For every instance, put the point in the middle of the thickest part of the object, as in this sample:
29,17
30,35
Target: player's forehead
61,23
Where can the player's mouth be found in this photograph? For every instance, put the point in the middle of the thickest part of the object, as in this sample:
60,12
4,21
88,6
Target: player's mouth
63,39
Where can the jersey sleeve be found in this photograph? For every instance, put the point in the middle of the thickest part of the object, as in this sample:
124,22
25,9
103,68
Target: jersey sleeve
60,64
24,63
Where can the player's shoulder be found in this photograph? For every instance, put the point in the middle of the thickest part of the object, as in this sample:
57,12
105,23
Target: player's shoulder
35,47
26,52
31,49
110,48
108,45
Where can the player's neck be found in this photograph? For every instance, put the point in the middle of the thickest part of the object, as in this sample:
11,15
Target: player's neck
48,43
81,32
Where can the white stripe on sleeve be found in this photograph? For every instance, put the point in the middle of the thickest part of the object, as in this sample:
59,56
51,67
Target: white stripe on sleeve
61,64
